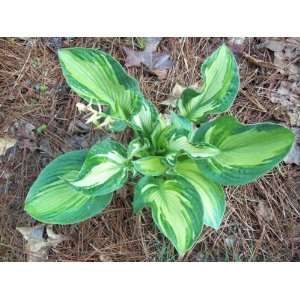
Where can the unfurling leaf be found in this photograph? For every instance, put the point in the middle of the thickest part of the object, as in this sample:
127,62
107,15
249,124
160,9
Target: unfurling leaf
51,199
179,142
99,79
176,209
145,120
138,147
104,169
221,83
211,193
246,151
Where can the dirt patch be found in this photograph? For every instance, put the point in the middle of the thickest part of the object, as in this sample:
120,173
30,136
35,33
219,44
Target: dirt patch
38,109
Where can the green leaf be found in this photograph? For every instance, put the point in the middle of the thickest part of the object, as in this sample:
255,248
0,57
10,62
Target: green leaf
104,169
160,135
179,142
99,79
146,119
180,122
176,209
139,147
52,200
211,193
151,165
221,84
246,151
117,126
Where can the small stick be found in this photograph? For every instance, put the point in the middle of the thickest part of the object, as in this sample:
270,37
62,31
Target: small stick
259,62
254,101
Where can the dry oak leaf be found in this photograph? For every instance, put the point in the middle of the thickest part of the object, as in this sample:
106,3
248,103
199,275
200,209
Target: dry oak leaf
39,239
158,63
6,143
176,93
264,212
287,58
293,156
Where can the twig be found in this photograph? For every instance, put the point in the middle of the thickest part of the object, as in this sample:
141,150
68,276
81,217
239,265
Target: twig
21,71
259,62
253,100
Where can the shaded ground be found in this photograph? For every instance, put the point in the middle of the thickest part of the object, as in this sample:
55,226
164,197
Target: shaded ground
262,221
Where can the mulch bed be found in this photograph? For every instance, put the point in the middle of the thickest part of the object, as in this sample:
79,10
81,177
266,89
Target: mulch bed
37,108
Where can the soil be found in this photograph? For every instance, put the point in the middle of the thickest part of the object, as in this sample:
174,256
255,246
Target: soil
262,221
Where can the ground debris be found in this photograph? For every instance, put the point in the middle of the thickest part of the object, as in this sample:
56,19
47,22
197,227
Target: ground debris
25,134
264,213
287,59
176,93
158,63
294,155
6,143
54,43
39,239
44,146
237,44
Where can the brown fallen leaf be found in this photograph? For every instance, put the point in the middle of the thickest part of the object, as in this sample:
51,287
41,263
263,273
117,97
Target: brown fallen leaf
294,155
45,147
286,50
26,135
39,239
287,58
158,63
53,43
6,143
176,93
237,44
264,212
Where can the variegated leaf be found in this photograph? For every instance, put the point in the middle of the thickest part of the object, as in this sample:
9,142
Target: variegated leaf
146,119
104,169
138,147
151,165
181,123
221,84
179,142
246,151
176,209
53,200
99,79
211,193
117,126
159,135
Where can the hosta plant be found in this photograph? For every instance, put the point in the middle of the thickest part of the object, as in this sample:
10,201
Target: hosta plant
178,162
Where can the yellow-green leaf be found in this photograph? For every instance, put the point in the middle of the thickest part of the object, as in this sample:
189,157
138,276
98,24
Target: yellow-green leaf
145,120
104,169
211,193
52,199
99,79
151,165
246,151
176,209
179,142
220,86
